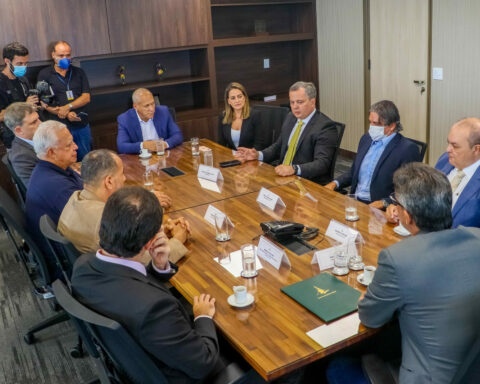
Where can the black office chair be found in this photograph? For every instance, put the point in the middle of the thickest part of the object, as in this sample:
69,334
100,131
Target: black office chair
173,113
271,118
469,370
340,131
17,182
13,219
422,147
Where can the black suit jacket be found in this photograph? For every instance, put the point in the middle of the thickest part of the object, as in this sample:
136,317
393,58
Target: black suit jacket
398,152
250,134
315,148
185,352
23,159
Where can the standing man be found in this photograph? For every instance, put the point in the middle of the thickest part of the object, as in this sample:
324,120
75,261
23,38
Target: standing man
14,85
307,141
71,93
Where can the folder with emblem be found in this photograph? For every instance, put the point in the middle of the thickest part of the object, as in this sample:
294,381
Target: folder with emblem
325,296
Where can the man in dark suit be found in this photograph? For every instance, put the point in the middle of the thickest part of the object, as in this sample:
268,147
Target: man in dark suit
115,283
461,164
145,123
429,280
307,141
380,153
22,119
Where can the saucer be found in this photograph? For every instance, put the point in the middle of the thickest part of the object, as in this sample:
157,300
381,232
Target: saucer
400,230
231,300
360,280
149,155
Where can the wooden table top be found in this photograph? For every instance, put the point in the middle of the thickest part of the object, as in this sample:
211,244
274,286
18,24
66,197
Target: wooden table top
271,334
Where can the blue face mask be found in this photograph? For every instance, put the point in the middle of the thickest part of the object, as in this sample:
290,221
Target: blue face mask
19,70
64,63
376,132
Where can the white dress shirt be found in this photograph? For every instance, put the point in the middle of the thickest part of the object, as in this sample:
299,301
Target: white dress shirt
148,129
469,172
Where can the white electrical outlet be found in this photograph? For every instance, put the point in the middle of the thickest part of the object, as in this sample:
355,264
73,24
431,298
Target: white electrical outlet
437,73
266,63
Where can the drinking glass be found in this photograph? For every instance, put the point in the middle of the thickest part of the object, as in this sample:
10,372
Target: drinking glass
147,179
340,261
222,228
351,208
195,146
160,144
354,250
208,158
248,261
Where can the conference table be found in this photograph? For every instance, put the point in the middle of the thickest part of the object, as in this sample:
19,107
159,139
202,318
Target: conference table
271,334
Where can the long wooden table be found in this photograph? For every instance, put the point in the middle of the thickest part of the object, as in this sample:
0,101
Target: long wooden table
270,334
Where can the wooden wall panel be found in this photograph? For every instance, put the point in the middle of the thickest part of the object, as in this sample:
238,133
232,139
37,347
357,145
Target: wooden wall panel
151,24
37,24
340,66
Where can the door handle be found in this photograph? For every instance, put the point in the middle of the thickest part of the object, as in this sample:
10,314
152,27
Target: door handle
419,83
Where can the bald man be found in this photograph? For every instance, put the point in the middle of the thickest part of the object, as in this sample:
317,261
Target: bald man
145,123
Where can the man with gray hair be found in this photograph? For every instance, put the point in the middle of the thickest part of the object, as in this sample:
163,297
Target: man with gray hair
23,120
145,123
380,153
52,181
307,142
102,174
429,280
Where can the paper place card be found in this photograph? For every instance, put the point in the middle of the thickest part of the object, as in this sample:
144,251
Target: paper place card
341,232
210,215
203,148
214,186
209,173
324,258
235,266
271,253
339,330
269,199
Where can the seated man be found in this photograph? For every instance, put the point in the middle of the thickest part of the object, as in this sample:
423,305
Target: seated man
380,153
307,142
22,119
461,165
113,282
102,174
428,280
141,125
52,181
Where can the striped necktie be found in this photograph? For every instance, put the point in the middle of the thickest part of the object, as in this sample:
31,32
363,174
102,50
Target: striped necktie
292,147
457,179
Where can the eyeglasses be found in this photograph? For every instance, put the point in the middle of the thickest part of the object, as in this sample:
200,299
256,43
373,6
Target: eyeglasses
393,199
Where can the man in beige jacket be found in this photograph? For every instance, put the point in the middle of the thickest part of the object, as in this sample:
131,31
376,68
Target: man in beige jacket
102,174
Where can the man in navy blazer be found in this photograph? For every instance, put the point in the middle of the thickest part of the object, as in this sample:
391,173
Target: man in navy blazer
461,165
380,153
145,123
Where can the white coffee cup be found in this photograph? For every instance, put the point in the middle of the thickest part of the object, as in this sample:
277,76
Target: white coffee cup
144,152
368,273
240,293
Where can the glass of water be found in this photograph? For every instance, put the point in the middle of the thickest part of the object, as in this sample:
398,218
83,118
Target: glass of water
340,261
248,261
354,250
222,228
351,208
147,179
208,158
195,146
160,144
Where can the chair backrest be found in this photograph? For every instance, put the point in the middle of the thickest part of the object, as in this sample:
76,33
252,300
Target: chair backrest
422,147
271,117
173,113
19,186
469,370
128,358
14,218
340,131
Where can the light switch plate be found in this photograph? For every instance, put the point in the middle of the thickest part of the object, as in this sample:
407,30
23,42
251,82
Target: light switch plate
437,73
266,63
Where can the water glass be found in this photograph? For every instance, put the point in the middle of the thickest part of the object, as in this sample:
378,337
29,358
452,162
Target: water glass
208,158
222,228
351,208
160,144
340,261
147,179
354,250
248,261
195,146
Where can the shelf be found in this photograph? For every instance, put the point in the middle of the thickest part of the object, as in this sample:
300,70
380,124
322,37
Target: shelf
276,2
150,84
262,39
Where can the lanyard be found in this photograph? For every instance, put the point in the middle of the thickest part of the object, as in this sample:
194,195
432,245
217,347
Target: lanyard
69,78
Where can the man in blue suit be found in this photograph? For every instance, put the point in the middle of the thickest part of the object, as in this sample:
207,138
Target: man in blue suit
145,123
380,153
461,165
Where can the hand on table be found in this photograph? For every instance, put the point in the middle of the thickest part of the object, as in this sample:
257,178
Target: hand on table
164,199
392,214
203,305
179,229
150,145
377,204
284,170
246,154
332,186
159,250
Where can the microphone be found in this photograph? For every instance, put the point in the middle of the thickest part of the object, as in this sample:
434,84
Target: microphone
160,69
121,74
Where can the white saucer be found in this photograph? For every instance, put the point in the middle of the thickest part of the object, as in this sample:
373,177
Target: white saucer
231,300
400,230
360,280
145,157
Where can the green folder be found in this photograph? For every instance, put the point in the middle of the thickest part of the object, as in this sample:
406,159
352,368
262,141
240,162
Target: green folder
325,296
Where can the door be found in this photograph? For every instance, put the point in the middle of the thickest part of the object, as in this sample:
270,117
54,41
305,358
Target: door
399,60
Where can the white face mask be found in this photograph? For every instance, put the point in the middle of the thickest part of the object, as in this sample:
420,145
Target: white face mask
376,132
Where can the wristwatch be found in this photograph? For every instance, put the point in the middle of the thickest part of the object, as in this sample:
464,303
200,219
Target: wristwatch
296,169
386,203
70,106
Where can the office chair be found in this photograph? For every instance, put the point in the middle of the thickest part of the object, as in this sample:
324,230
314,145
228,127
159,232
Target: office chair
340,130
271,118
173,113
422,147
17,182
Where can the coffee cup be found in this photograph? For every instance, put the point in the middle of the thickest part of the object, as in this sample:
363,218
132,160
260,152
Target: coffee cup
240,293
368,273
144,152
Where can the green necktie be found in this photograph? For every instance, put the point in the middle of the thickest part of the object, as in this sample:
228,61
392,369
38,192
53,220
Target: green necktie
292,147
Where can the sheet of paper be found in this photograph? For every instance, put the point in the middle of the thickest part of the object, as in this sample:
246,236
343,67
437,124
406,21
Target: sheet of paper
235,266
329,334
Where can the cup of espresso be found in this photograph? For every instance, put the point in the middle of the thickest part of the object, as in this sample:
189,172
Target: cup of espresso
240,293
144,152
368,273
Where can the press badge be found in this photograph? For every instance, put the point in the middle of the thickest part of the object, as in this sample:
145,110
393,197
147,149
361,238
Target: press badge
70,95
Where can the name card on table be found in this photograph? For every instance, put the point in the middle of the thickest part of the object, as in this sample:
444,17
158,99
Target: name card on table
324,258
271,253
209,173
269,199
212,212
215,186
341,232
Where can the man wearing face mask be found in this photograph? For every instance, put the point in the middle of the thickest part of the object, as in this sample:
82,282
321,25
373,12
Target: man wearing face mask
14,85
71,94
380,153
